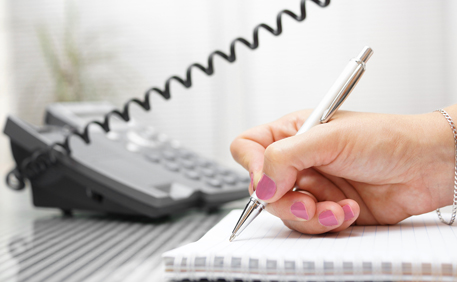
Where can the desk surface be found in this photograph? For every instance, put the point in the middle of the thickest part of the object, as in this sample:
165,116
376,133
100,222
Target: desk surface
42,245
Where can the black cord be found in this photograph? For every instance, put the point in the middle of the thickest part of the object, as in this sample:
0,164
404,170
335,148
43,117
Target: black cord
38,162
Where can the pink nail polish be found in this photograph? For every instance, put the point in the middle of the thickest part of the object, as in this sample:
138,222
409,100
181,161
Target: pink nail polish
327,218
252,180
266,188
348,213
299,210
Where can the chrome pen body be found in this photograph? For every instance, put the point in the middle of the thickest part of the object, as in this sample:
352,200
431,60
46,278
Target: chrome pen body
253,208
331,102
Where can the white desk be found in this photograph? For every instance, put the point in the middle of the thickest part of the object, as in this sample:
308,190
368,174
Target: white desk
42,245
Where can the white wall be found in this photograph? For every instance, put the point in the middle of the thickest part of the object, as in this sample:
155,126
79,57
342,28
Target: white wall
412,71
6,94
450,48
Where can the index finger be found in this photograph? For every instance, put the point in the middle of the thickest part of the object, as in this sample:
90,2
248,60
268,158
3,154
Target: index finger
248,148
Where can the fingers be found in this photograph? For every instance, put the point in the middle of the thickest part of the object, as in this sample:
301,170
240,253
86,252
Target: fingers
249,154
284,159
301,212
319,186
351,211
294,206
248,149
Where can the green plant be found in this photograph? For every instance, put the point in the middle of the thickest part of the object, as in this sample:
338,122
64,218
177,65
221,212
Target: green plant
76,61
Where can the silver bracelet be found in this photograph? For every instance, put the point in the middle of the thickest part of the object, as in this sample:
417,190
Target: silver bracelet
454,204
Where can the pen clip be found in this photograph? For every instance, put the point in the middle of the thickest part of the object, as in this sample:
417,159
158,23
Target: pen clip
344,92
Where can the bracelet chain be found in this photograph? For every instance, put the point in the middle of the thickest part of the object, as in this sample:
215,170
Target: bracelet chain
454,204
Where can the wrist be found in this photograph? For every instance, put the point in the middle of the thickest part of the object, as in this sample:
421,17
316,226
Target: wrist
440,147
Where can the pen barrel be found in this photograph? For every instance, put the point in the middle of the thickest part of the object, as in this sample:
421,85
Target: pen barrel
324,104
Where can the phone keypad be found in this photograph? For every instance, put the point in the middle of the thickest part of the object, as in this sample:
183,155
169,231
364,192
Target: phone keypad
158,148
194,167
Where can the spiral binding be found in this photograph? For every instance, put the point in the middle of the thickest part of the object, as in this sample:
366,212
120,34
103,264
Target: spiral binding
40,160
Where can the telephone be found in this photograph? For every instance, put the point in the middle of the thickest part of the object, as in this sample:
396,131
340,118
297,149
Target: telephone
131,170
120,168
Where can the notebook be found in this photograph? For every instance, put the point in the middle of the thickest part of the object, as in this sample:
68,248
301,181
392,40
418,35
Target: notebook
419,248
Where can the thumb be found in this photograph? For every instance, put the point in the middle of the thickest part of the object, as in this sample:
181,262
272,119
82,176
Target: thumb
285,158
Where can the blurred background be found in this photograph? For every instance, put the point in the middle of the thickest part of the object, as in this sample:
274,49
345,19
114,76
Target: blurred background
113,50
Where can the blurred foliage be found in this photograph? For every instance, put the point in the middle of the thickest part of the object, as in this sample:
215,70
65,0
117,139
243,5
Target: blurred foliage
76,61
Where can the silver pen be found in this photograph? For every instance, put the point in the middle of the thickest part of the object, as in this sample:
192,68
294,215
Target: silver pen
334,98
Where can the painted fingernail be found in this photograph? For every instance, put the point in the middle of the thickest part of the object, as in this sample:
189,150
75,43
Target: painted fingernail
327,218
252,180
348,213
299,210
266,188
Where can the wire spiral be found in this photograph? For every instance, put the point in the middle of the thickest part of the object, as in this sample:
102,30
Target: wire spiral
39,160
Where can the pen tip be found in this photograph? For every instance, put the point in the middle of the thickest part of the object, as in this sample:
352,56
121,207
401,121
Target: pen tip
232,237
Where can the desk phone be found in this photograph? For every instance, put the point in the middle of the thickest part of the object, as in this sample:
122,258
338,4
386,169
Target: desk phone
131,170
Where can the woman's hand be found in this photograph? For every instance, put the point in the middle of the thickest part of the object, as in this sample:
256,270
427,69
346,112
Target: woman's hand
359,167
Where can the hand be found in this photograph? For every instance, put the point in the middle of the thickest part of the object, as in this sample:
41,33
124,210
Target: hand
360,168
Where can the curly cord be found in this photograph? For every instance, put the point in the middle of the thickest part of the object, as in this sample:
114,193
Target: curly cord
41,159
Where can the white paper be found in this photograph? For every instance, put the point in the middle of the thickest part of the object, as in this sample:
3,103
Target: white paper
418,248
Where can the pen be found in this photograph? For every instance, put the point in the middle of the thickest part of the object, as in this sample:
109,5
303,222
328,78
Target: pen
334,98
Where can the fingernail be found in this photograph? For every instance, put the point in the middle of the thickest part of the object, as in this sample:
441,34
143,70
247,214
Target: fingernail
266,188
348,213
299,210
252,180
327,218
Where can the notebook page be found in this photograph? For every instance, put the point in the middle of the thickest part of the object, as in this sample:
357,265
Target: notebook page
411,250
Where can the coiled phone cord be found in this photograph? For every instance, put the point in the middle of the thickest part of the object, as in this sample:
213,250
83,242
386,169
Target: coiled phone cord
41,159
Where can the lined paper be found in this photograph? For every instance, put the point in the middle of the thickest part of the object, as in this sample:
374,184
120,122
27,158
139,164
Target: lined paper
418,248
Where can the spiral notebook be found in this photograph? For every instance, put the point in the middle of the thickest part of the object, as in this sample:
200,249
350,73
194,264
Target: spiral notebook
419,248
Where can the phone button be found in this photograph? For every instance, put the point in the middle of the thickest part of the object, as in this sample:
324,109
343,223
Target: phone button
229,179
213,182
186,154
192,174
169,155
188,163
154,157
208,172
172,166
